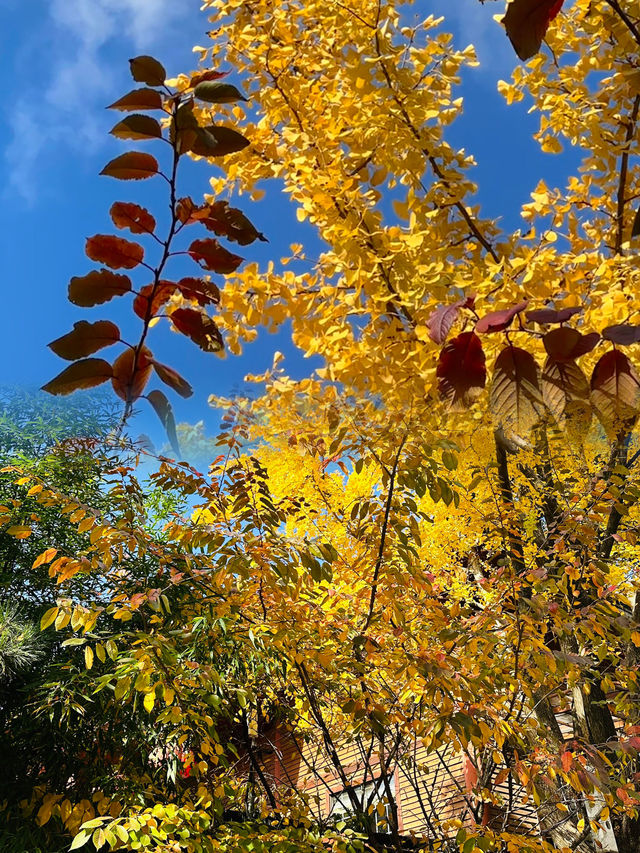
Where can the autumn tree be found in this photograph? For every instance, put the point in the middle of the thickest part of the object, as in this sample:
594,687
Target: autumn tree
433,539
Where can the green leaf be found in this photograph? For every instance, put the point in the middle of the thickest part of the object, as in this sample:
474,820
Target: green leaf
216,141
218,93
146,69
137,126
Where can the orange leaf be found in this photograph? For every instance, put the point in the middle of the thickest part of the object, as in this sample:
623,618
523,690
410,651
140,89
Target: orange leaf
526,23
115,252
79,376
567,760
139,99
85,339
212,256
199,327
97,287
132,166
173,379
128,215
162,292
131,373
565,391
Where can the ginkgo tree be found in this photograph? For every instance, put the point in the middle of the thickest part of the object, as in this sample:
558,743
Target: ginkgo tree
432,539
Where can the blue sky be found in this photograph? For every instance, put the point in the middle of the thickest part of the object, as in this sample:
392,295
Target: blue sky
64,60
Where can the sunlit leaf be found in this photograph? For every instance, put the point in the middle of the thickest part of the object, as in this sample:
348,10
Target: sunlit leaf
615,391
138,99
132,166
137,127
128,215
217,93
170,377
516,398
131,372
199,327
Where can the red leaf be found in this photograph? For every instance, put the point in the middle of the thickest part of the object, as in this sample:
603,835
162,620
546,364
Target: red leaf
139,99
546,316
80,375
516,399
128,215
97,287
212,256
496,321
164,290
132,166
526,23
441,320
131,374
566,344
85,339
162,408
461,370
204,292
115,252
199,327
624,334
615,391
170,377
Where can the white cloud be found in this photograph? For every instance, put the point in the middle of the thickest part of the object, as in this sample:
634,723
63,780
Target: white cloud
71,48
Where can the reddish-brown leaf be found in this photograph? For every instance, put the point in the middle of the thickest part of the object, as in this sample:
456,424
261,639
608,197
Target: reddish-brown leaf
128,215
461,370
204,292
97,287
212,256
199,327
549,316
566,344
566,760
163,292
115,252
139,99
80,376
173,379
441,320
565,391
131,373
137,127
231,223
496,321
216,140
85,339
526,23
132,166
146,69
615,391
162,408
624,334
516,399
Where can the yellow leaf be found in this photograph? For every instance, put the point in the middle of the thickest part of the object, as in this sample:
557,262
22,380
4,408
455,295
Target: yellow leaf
88,657
49,618
45,557
149,700
19,531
